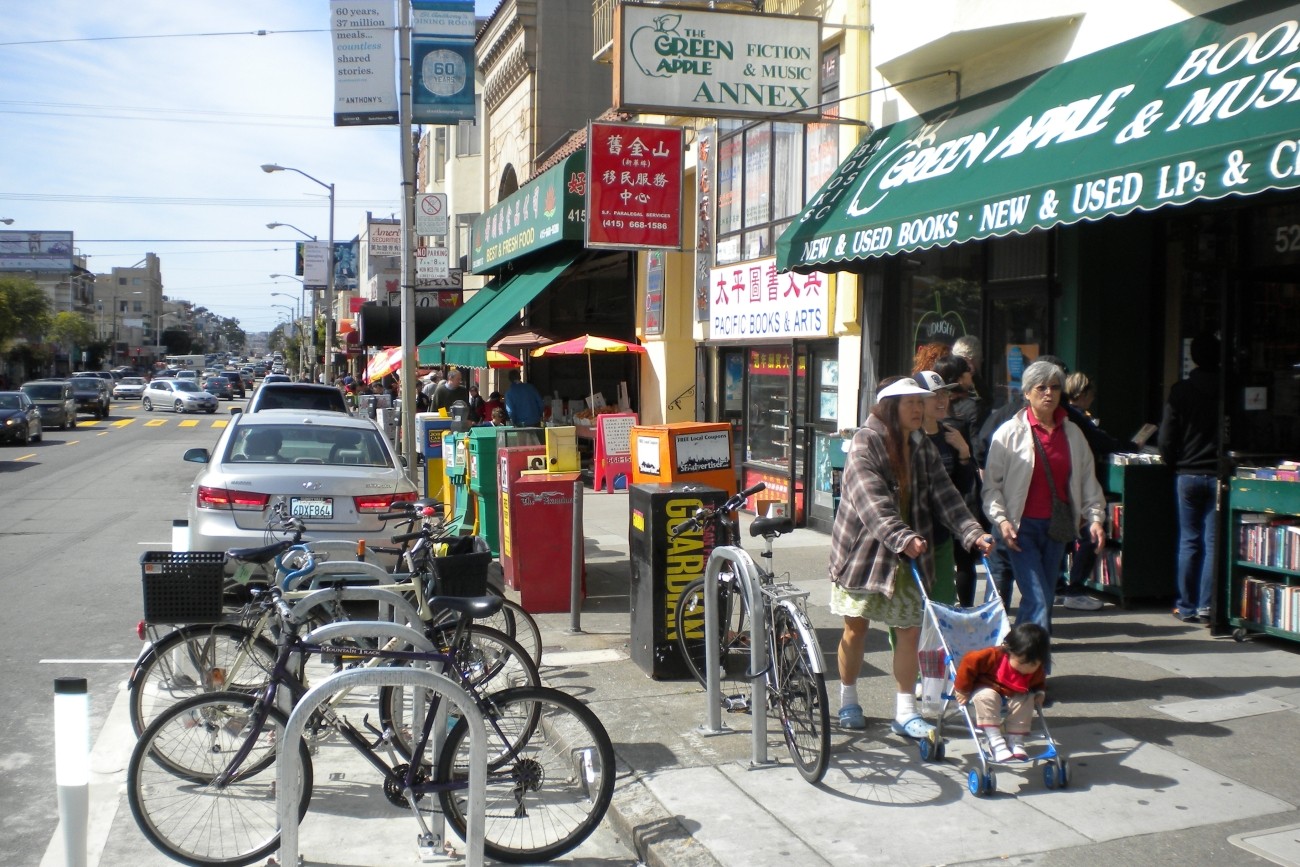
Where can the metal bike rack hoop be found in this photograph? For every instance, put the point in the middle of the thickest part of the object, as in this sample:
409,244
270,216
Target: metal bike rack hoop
751,586
289,765
395,604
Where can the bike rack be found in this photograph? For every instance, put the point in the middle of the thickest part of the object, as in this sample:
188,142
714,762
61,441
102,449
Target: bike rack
395,605
288,765
751,586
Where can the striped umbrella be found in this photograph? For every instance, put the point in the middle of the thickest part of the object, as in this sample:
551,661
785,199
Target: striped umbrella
587,345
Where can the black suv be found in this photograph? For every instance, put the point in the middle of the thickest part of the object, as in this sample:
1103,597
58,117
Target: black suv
91,394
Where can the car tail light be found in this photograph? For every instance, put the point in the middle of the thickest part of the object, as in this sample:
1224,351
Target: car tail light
221,498
381,502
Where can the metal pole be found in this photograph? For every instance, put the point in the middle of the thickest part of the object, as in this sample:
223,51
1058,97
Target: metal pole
329,297
576,558
409,363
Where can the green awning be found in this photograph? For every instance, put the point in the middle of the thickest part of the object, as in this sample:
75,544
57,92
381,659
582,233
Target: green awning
427,350
1200,110
548,209
467,346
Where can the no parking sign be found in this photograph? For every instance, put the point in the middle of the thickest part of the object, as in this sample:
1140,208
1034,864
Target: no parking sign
431,214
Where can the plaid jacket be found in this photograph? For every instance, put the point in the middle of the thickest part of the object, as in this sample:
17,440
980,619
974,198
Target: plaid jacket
869,531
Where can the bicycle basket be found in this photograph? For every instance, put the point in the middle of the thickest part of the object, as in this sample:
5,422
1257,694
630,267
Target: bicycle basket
182,586
463,570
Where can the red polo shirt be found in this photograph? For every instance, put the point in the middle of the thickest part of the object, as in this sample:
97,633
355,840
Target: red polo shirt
1038,502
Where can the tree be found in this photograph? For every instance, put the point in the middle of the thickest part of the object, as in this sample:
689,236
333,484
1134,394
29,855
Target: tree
24,310
71,330
177,340
232,335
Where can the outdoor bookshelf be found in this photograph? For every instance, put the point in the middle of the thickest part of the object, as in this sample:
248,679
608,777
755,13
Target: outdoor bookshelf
1262,554
1140,557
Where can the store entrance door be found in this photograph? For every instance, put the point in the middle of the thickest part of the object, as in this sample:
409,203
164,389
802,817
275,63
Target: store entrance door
817,391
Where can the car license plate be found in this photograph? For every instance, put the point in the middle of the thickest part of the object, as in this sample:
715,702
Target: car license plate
312,507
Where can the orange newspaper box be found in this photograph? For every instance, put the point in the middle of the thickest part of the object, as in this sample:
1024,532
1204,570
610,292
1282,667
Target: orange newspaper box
683,452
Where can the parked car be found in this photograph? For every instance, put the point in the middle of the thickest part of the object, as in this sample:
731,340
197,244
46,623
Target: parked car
20,420
336,472
181,395
297,395
129,388
92,395
218,386
53,397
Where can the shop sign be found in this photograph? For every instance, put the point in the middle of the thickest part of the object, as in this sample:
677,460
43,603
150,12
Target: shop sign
634,186
364,43
442,61
549,209
708,63
774,362
751,301
654,293
385,239
1200,110
705,170
453,281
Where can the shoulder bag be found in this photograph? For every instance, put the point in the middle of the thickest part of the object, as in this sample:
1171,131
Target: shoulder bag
1062,527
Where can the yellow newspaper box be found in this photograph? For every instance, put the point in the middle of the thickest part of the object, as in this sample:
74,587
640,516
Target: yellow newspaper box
562,449
681,452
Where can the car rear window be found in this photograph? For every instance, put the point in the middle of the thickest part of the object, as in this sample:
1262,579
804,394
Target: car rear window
84,382
308,444
44,390
288,398
185,385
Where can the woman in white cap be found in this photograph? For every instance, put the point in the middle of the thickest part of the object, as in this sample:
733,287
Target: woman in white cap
894,489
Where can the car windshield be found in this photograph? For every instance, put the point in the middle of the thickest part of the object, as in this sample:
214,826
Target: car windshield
185,385
44,390
10,401
308,444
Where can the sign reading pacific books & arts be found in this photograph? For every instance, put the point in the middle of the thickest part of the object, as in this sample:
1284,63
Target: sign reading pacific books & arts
706,63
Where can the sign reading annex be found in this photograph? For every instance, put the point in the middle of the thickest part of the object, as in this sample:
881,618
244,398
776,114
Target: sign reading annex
705,63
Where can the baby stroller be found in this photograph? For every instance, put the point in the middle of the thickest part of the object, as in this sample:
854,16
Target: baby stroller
947,634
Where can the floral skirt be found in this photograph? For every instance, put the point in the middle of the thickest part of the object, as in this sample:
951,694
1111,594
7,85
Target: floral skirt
902,610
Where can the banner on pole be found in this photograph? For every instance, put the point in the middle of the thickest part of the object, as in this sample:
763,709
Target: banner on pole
365,60
442,61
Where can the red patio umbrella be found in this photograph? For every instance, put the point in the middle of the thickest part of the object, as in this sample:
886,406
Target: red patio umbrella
384,362
586,345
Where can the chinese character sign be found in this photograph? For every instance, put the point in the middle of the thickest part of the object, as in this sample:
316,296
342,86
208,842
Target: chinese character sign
751,300
634,186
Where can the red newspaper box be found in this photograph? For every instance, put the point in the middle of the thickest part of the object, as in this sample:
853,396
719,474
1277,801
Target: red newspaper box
537,523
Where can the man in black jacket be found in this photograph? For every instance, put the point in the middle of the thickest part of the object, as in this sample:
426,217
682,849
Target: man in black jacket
1189,444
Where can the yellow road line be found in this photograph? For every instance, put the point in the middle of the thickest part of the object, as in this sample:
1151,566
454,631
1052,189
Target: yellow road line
25,457
103,433
124,422
157,422
189,423
72,442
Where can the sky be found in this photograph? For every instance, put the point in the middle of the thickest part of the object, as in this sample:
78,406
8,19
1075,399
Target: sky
141,127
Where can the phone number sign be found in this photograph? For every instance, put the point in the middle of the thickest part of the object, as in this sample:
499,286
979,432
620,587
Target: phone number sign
634,186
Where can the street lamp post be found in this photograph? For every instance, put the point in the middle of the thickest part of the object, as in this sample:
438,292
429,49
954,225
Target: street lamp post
297,325
303,365
329,280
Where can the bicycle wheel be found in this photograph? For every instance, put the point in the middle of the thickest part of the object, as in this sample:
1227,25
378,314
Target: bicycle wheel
511,619
733,633
184,813
486,660
800,693
196,659
543,797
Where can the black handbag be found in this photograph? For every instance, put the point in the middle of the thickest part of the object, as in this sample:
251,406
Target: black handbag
1063,526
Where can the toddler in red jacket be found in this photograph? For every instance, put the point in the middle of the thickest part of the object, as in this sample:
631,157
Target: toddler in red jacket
1015,670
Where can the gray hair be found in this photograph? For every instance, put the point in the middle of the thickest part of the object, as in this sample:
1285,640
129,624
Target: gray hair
1041,373
967,346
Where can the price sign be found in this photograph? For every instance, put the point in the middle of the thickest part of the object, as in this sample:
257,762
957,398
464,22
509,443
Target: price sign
431,214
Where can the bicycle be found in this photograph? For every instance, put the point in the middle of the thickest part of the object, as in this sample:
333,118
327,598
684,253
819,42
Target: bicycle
201,778
794,682
237,654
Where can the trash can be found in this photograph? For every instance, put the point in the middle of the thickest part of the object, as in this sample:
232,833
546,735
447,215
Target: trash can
662,567
538,520
483,486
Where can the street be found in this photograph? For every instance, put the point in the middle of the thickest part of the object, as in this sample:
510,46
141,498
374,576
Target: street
77,510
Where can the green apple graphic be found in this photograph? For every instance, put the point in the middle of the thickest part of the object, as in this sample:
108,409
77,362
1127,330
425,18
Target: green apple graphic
936,325
642,43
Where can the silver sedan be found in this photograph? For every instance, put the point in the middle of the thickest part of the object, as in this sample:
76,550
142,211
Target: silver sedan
337,473
180,395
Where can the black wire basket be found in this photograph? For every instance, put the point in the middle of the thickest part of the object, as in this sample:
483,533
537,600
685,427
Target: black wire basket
463,571
182,586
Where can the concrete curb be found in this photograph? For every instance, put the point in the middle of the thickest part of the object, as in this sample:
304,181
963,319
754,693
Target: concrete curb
656,835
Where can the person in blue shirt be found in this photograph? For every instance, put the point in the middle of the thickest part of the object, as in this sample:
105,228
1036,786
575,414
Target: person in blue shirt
523,402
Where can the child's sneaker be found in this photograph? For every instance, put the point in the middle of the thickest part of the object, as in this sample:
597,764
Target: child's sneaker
998,746
1015,743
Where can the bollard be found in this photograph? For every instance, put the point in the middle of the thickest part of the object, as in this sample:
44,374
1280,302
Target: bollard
72,764
181,534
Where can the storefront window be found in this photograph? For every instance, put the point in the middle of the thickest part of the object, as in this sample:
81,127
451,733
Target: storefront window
787,166
758,175
768,430
730,153
944,289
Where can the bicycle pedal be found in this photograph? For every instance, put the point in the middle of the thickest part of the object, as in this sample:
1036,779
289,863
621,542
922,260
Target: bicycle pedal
736,704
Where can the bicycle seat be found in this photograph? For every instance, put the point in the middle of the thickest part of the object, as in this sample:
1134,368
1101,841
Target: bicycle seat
771,526
263,554
473,606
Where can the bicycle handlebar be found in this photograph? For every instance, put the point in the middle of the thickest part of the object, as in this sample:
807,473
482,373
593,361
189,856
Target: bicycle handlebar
731,505
399,538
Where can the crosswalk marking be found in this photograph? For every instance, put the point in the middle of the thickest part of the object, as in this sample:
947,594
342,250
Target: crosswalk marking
220,423
92,423
157,422
189,422
124,422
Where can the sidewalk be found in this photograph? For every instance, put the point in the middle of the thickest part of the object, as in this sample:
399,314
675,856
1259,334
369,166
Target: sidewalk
1182,745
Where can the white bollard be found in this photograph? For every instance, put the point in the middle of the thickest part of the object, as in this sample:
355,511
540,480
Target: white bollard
72,764
181,534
